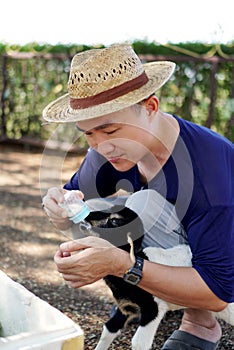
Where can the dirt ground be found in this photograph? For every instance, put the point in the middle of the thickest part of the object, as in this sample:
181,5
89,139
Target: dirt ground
29,241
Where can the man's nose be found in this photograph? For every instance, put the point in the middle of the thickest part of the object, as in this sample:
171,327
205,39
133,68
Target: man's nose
105,147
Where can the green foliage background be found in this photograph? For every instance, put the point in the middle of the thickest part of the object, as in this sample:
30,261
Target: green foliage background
32,79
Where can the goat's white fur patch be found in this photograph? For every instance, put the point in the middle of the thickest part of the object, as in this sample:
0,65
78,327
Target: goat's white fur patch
181,255
177,256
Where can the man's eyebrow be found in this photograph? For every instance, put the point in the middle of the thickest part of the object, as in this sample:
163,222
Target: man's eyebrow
99,127
79,129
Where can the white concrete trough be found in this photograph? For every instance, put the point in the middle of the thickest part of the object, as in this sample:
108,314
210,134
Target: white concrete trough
28,322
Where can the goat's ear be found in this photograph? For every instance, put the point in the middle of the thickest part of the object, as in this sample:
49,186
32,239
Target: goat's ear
97,216
128,214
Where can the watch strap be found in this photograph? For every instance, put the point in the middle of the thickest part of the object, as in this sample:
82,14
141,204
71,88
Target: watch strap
134,274
139,263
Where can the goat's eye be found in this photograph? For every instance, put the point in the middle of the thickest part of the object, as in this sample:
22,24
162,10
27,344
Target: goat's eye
113,222
117,222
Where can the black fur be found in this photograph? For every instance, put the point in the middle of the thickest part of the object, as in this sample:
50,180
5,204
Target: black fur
133,302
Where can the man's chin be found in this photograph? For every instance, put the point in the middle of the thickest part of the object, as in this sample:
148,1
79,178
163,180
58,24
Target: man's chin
123,165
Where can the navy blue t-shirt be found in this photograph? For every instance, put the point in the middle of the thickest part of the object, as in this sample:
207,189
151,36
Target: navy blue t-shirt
198,179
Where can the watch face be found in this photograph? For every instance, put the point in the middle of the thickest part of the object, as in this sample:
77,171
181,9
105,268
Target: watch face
134,274
131,278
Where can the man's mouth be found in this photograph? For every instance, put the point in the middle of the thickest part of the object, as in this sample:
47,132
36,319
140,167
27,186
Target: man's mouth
114,159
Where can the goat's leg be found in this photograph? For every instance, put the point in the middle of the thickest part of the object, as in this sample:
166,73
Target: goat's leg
150,320
111,330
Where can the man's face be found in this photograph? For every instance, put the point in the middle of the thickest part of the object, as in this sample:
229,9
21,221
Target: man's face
121,137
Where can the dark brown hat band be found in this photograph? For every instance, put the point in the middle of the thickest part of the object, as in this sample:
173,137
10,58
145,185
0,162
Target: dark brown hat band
111,94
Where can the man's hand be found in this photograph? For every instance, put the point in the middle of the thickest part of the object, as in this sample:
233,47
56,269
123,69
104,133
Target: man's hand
57,215
89,259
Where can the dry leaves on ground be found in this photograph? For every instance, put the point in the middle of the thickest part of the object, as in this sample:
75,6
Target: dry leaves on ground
28,243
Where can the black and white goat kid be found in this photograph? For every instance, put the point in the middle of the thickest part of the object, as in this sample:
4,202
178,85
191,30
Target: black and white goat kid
132,301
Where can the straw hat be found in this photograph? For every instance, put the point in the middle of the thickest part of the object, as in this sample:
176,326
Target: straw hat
106,80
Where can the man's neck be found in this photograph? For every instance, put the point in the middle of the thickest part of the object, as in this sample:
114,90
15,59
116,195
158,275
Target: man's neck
166,134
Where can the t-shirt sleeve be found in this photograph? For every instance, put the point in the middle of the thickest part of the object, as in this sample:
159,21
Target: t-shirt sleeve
211,238
72,184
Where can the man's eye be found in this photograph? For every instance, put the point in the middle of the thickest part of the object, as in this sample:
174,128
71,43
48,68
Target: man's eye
110,132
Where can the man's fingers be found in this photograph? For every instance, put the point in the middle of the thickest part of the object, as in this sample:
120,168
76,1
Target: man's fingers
73,246
56,193
84,243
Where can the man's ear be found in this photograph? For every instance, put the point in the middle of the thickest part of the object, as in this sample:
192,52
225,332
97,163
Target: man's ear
151,104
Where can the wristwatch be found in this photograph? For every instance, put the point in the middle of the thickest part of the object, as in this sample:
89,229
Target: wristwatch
134,274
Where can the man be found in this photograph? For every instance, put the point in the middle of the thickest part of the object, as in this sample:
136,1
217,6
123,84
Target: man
180,176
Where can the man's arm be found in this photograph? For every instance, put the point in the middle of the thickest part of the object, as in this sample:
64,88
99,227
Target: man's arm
97,258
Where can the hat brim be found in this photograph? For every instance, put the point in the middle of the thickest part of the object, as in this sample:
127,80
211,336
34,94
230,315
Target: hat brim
60,111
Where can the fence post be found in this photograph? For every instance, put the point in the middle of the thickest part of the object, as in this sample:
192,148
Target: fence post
3,94
229,132
213,89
